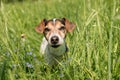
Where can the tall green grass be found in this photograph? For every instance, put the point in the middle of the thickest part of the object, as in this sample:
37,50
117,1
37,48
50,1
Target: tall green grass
94,46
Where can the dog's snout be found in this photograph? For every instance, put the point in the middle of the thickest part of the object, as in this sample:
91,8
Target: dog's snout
54,40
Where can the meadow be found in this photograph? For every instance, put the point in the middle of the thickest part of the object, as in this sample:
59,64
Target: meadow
94,46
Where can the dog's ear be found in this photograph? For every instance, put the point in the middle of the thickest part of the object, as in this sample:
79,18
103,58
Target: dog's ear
69,25
41,26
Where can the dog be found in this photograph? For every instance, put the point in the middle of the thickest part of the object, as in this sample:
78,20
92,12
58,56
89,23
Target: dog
53,45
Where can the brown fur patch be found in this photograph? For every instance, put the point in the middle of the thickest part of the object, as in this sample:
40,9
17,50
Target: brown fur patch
61,26
55,28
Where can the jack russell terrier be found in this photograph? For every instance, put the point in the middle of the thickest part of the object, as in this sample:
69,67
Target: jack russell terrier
53,45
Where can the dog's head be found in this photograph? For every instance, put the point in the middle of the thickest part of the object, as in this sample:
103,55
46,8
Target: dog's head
55,30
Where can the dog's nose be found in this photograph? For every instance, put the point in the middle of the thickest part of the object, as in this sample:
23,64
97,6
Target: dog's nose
54,40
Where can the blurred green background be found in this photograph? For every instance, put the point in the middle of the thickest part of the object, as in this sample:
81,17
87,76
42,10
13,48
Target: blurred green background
94,46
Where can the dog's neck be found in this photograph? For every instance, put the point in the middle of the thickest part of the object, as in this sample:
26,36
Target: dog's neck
57,51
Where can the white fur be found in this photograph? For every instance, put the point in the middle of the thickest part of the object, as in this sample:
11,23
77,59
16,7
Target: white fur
52,55
54,21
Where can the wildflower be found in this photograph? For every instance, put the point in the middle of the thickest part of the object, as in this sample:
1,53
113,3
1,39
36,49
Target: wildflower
29,53
29,65
23,35
61,75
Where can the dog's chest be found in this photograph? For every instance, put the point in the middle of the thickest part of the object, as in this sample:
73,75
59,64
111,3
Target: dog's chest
54,56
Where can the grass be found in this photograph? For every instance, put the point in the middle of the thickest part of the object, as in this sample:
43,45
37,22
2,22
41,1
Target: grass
94,46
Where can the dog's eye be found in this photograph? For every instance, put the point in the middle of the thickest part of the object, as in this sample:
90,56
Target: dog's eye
47,29
62,28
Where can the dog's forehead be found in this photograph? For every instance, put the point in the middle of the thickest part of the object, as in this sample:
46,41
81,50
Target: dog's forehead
54,22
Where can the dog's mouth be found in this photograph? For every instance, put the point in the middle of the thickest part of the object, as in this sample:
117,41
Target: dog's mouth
55,46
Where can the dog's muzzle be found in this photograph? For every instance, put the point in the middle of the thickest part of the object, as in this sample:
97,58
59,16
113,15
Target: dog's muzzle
54,41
